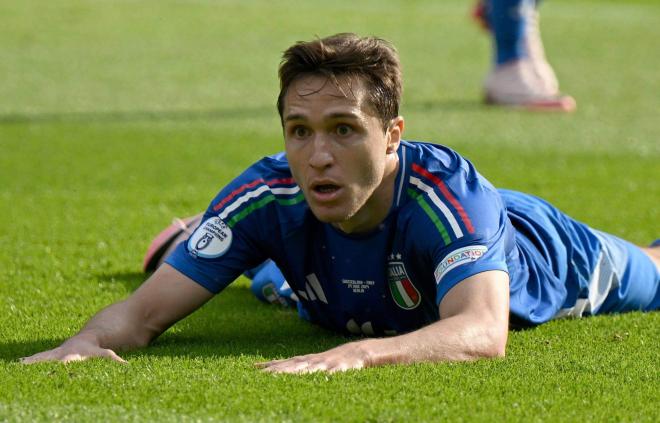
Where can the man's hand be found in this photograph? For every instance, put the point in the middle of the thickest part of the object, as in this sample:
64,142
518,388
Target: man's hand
353,355
474,324
166,297
75,349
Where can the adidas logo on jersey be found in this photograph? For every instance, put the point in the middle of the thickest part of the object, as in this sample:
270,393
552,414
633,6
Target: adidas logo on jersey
313,290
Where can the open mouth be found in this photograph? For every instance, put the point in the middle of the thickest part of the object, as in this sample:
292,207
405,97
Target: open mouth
326,188
325,191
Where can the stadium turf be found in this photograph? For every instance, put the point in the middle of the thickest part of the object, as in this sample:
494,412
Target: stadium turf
116,116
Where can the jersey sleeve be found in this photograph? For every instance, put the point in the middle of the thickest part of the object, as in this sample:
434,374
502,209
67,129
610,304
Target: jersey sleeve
463,224
236,232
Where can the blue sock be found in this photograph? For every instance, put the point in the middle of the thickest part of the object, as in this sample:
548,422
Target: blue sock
269,285
507,22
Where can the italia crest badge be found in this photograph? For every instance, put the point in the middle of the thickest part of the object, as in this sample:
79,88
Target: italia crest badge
404,293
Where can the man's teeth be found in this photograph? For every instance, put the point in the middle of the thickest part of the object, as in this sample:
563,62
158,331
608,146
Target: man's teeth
326,188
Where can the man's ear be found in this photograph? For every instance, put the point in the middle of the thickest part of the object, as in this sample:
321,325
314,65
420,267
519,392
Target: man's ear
394,134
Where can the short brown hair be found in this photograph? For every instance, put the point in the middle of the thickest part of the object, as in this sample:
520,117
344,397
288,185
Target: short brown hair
370,59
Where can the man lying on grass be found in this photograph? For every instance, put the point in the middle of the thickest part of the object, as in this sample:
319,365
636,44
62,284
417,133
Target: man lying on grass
402,241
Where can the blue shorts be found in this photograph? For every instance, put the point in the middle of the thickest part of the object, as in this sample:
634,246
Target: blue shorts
566,268
623,279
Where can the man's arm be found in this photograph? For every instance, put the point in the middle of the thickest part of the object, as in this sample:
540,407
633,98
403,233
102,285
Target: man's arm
166,297
474,324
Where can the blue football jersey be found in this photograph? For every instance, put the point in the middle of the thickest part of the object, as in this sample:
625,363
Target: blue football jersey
446,223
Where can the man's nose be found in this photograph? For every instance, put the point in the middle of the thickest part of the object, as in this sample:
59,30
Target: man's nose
321,156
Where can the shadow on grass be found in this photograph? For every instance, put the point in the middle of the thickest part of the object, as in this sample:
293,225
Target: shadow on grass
232,324
131,280
248,340
181,115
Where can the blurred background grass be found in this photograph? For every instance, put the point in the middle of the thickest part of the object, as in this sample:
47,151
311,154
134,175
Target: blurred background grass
116,116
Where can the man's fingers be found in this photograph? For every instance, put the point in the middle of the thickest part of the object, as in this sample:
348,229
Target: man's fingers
262,364
314,367
339,359
39,357
343,367
303,364
68,357
273,366
50,356
72,357
309,364
281,366
290,367
31,359
26,360
113,356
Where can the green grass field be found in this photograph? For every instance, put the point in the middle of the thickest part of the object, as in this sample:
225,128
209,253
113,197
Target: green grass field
116,116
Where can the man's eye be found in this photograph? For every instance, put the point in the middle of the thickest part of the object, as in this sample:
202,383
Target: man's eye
300,132
344,130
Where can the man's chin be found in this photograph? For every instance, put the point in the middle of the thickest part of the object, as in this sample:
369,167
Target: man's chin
329,215
345,222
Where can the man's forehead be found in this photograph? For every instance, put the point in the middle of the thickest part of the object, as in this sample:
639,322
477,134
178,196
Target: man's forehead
343,86
325,92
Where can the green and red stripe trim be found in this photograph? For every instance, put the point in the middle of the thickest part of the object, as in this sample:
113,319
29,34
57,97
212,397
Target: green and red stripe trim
446,194
242,188
268,198
437,222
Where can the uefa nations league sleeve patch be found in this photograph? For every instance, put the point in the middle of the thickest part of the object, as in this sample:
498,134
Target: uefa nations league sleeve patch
211,240
457,258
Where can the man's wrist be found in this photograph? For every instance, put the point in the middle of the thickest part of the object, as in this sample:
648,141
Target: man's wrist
85,336
376,351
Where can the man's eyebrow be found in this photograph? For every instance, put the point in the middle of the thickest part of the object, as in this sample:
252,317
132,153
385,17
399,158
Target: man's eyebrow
296,116
337,115
341,115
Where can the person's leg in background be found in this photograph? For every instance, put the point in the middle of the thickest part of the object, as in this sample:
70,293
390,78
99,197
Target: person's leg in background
521,75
